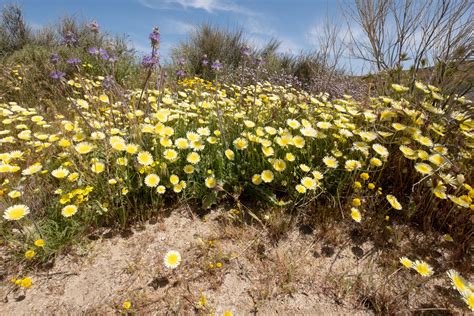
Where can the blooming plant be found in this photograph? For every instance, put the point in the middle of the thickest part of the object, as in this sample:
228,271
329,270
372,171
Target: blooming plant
115,155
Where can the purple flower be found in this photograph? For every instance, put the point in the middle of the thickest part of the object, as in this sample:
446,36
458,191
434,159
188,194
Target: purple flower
93,51
70,38
154,37
54,58
216,65
245,51
113,59
73,61
108,82
94,26
181,61
205,61
149,61
56,74
103,54
180,73
259,61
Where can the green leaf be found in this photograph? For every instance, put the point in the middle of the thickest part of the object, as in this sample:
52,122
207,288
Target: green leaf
209,200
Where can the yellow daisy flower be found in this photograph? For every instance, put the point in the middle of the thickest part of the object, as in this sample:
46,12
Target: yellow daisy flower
69,210
300,188
229,154
267,176
394,202
423,168
193,158
170,154
210,182
39,243
240,143
181,143
458,282
84,148
152,180
34,168
144,158
256,179
279,165
330,162
407,263
352,165
98,167
381,150
174,179
172,259
355,214
423,268
309,183
60,173
188,169
29,254
161,189
16,212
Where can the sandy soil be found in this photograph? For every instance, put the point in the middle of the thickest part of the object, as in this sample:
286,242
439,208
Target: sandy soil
299,275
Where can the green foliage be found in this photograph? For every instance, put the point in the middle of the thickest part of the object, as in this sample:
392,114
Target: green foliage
215,43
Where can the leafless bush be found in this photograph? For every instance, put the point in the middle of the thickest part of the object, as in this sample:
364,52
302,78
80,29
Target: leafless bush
14,33
431,39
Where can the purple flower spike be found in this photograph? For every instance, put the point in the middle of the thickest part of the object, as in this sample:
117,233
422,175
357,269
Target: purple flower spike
180,73
54,58
217,65
245,51
154,37
181,61
73,61
93,51
149,61
259,61
94,26
108,82
57,75
70,38
205,61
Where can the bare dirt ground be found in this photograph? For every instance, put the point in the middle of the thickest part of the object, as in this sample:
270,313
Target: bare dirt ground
301,274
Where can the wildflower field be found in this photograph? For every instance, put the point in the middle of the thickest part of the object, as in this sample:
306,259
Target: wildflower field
109,156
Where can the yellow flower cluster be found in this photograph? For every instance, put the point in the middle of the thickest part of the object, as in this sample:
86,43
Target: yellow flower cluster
113,158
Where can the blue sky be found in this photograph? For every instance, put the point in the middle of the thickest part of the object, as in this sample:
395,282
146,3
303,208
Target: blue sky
296,23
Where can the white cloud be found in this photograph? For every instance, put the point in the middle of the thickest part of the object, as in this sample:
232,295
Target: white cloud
145,49
257,41
259,31
318,31
141,48
290,46
210,6
313,33
256,26
166,50
179,27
